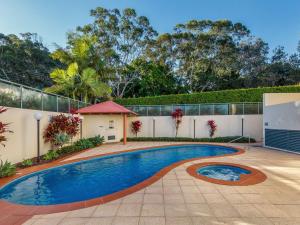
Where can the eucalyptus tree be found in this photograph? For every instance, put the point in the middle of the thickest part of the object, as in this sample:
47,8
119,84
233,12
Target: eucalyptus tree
24,59
120,38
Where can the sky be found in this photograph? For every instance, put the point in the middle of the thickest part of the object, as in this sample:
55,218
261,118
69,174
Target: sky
275,21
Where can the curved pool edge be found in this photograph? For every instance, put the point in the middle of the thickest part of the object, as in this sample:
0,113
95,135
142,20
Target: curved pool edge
35,210
255,176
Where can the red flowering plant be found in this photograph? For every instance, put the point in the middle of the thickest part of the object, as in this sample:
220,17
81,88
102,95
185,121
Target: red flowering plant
212,127
3,128
136,127
59,126
177,117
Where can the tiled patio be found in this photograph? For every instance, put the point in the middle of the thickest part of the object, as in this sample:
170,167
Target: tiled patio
180,199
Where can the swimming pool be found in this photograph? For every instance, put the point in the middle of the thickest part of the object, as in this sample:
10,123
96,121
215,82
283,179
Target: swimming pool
100,176
223,172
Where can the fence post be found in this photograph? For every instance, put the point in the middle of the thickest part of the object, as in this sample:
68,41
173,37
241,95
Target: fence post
69,102
21,97
56,103
42,96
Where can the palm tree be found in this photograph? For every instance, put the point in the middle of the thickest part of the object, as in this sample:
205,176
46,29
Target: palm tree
85,86
79,80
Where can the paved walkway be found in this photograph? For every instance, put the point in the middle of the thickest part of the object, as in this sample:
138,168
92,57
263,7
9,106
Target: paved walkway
179,199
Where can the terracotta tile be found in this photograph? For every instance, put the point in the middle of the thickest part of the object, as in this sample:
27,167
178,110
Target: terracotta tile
207,221
269,210
129,210
193,198
235,198
133,198
86,212
172,189
73,221
126,221
178,221
154,190
100,221
197,210
152,221
248,210
153,198
223,210
291,210
214,198
106,210
153,210
255,198
173,198
176,210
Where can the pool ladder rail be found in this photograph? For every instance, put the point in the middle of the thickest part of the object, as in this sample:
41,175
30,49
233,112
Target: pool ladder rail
249,141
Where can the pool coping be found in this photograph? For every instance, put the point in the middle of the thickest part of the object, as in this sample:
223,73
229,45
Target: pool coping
18,210
255,176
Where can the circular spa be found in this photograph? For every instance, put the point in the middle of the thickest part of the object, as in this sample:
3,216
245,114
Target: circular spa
226,173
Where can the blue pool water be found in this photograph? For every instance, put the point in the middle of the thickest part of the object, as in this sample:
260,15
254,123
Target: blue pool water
223,172
100,176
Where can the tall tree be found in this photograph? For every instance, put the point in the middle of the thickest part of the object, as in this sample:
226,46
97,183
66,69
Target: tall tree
81,79
26,60
121,37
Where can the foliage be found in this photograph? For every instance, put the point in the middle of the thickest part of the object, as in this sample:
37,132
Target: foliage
51,155
3,128
152,79
97,140
212,127
186,139
226,96
120,38
136,127
24,59
7,169
61,124
27,163
83,144
177,117
78,83
60,139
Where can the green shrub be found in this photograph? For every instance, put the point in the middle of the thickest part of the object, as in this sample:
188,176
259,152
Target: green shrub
51,155
61,138
27,163
68,149
226,96
7,169
186,139
97,140
83,144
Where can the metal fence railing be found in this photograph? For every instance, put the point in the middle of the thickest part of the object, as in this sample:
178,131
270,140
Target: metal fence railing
245,108
24,97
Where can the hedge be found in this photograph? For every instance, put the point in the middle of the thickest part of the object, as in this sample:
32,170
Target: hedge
186,139
226,96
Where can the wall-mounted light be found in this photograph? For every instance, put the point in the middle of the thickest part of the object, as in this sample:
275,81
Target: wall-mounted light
38,116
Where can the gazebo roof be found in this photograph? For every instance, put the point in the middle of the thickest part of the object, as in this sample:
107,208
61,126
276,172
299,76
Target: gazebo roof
108,107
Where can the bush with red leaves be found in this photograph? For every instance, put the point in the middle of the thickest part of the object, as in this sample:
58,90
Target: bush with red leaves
3,128
212,127
177,117
61,124
136,127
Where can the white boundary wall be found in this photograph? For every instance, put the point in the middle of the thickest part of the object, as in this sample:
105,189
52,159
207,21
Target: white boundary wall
228,125
22,143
